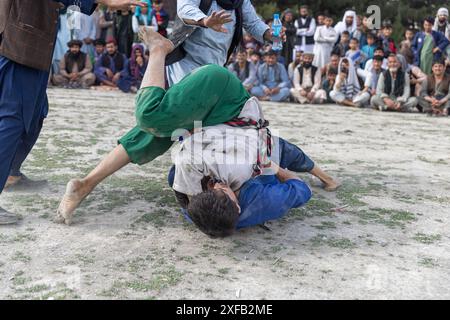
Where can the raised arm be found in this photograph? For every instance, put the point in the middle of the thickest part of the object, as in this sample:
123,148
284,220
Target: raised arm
253,24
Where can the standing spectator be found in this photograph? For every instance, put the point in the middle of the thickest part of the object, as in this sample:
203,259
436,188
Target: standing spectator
369,49
133,72
107,23
273,80
86,34
342,46
393,89
320,20
358,34
428,45
143,17
306,28
244,70
386,39
441,24
325,38
348,24
435,95
161,17
62,38
124,32
354,54
110,65
406,45
75,69
287,19
307,82
347,85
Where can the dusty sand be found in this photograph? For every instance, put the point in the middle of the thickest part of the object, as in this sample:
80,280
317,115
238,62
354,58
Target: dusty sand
390,241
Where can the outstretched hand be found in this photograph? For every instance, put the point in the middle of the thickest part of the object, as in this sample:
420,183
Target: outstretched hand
122,4
216,21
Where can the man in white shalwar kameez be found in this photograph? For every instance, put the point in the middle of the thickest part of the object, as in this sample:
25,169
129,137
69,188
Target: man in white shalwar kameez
325,38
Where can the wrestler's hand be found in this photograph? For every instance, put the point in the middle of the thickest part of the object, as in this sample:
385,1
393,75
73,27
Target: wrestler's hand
122,4
216,21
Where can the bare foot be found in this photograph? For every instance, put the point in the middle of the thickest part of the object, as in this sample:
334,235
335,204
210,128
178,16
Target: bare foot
154,40
12,180
72,198
331,185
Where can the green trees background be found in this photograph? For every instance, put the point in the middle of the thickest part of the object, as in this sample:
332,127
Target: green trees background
401,13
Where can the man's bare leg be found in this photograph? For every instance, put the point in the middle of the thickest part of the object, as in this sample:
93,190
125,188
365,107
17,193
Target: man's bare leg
78,189
329,183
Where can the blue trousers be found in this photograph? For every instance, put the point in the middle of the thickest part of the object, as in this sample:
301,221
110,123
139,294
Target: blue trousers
23,105
291,158
283,95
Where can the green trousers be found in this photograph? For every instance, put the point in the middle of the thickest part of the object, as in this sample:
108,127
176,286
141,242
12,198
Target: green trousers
210,94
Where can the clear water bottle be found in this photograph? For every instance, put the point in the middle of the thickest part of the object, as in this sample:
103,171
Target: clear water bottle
277,26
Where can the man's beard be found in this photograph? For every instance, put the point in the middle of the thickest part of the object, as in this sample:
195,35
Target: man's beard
442,21
393,70
74,56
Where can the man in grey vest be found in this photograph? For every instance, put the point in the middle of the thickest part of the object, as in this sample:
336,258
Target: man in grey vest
27,38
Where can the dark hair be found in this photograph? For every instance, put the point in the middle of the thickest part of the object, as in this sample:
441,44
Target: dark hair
214,213
439,61
332,71
354,39
379,49
99,42
379,58
429,19
370,35
392,55
346,33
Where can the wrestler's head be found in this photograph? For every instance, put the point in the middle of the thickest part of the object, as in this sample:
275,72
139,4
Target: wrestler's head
216,210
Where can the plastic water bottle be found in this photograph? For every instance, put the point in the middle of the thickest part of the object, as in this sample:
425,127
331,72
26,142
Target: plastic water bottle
276,28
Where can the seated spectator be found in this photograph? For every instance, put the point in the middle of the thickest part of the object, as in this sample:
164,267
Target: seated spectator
369,64
161,17
369,49
355,54
133,73
347,85
342,47
416,76
99,49
370,85
307,81
110,65
334,64
328,83
273,80
75,69
393,89
435,95
386,39
244,70
255,59
294,64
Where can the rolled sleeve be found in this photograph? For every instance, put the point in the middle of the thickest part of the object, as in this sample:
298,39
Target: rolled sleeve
190,9
252,23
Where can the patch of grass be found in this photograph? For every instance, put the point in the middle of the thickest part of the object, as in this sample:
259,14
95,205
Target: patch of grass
326,225
428,262
157,218
20,256
427,238
224,270
387,217
342,243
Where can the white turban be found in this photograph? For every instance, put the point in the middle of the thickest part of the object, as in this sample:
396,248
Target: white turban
443,12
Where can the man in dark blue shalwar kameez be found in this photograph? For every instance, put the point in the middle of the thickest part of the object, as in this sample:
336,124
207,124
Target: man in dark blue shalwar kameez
27,38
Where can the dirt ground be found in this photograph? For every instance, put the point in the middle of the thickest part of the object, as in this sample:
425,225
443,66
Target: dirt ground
383,235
